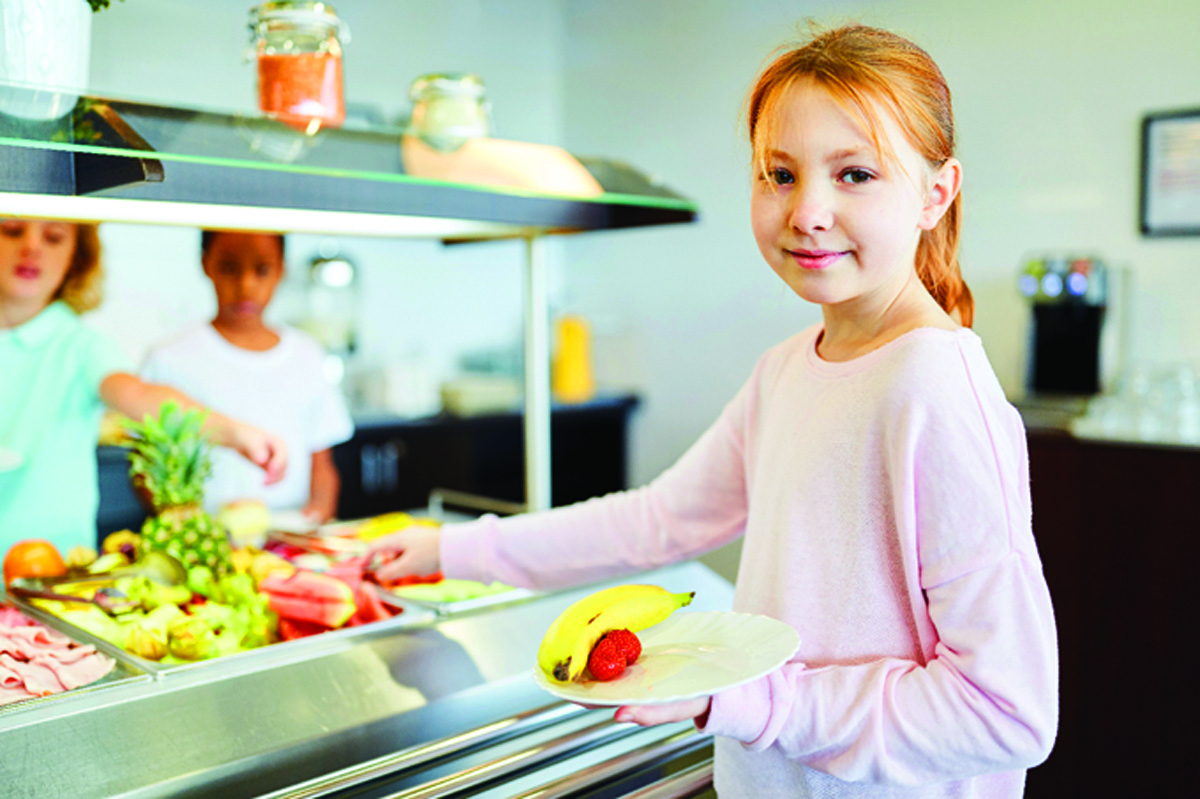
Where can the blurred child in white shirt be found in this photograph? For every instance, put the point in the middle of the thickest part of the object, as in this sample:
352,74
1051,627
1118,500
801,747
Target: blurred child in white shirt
272,377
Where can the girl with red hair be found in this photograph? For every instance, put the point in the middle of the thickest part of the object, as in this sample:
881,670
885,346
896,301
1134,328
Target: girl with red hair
871,462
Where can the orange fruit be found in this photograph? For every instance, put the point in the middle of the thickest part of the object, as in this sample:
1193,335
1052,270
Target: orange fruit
34,557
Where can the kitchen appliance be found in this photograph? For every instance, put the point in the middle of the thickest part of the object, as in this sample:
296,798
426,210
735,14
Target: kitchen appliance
1068,296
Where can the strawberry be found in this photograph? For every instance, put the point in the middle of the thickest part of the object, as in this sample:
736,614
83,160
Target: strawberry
607,661
628,643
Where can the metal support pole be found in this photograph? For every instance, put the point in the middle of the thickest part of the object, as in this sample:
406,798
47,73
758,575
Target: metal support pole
537,379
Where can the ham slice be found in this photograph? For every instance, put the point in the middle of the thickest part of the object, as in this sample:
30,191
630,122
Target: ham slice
39,680
84,671
10,679
36,661
11,617
10,695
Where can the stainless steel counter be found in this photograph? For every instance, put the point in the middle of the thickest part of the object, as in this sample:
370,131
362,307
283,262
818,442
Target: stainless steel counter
431,707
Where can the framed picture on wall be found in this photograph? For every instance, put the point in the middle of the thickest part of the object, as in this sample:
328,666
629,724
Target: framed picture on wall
1170,189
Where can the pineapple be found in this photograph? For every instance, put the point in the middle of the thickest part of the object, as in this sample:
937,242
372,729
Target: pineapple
168,464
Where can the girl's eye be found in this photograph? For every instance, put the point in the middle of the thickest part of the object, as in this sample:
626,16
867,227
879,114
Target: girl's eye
855,177
12,229
780,176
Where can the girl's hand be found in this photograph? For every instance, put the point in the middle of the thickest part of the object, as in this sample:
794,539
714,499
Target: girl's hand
315,513
414,550
260,448
650,715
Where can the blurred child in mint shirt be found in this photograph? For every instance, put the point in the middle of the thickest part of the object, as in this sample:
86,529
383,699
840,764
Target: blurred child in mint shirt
56,378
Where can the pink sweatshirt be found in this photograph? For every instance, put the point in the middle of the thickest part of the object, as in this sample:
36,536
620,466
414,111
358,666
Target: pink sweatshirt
885,507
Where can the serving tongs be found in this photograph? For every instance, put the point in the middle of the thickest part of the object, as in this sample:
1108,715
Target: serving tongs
332,545
110,600
157,566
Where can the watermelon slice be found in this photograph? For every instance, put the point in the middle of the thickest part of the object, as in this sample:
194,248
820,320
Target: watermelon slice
310,597
370,606
290,629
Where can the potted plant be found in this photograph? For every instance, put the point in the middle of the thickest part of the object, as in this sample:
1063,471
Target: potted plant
44,49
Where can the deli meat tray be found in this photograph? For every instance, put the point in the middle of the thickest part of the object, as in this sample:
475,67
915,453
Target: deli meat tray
40,664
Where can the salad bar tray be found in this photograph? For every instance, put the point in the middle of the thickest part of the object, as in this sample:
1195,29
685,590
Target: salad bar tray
475,597
410,616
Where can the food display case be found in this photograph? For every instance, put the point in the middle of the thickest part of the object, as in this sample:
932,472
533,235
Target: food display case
121,161
423,705
435,702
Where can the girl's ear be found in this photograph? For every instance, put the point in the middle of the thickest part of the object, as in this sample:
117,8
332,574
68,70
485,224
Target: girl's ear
943,188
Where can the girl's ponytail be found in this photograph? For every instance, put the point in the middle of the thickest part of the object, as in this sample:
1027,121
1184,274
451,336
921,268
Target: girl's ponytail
937,265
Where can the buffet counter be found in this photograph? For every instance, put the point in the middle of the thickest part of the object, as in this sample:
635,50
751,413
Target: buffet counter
422,705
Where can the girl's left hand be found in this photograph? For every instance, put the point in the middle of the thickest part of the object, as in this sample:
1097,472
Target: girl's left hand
649,715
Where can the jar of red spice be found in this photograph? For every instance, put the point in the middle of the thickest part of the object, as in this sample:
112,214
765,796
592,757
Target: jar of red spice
298,46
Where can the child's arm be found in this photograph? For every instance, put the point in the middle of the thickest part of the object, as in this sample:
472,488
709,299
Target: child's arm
696,505
324,486
131,396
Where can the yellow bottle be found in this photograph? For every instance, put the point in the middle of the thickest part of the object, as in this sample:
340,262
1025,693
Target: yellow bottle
571,378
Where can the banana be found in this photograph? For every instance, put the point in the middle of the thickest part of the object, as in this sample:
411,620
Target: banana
564,651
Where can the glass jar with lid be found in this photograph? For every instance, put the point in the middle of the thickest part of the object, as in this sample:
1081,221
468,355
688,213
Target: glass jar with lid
448,109
298,46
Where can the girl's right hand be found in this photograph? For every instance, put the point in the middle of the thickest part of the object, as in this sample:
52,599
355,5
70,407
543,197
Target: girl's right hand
413,550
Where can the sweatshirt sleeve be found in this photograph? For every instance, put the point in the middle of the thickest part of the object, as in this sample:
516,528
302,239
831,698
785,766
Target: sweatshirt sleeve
696,505
986,697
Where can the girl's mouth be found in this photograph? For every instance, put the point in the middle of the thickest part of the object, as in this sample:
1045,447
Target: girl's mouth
815,259
28,272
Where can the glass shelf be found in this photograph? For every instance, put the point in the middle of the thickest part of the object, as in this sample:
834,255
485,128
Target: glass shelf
119,160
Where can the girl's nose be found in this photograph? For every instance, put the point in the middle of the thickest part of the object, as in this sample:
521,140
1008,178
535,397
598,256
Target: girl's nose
31,240
811,209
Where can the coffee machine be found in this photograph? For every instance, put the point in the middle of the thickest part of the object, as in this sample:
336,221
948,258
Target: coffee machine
1068,296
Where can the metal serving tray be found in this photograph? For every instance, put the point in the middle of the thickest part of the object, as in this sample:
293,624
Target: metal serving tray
461,606
449,709
251,660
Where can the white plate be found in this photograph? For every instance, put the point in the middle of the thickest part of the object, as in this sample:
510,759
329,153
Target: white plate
10,459
689,655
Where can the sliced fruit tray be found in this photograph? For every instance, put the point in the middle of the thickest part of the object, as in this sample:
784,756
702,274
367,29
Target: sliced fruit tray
123,636
347,541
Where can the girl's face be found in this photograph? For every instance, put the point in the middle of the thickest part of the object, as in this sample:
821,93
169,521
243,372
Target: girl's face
34,259
840,227
244,268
